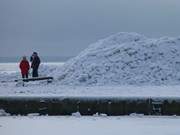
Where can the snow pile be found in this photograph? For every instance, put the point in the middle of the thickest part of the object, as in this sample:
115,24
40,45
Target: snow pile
125,59
47,69
3,113
33,114
76,114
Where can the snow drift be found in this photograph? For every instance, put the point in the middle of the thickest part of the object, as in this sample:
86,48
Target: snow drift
125,59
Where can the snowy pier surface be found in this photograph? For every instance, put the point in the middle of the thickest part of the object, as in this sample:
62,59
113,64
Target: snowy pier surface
59,105
96,125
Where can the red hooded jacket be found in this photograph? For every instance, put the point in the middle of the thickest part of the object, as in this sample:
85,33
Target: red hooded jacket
24,66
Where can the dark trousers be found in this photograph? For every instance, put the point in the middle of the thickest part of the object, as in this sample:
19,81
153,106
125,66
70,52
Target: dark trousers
25,75
35,73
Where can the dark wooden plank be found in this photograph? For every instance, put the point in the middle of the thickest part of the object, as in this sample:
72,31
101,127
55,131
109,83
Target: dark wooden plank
34,79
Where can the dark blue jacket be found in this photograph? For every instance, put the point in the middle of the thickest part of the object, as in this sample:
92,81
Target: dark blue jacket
35,62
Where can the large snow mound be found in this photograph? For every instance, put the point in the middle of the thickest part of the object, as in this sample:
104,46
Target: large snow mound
125,59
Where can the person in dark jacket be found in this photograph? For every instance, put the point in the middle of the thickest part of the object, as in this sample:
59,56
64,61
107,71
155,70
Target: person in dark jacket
24,66
35,62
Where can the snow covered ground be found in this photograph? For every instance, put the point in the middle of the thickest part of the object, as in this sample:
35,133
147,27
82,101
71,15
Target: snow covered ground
10,71
95,125
95,91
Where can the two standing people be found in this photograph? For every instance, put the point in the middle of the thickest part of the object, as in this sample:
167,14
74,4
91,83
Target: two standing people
24,65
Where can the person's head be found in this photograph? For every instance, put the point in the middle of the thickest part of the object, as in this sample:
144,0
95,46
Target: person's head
24,58
35,54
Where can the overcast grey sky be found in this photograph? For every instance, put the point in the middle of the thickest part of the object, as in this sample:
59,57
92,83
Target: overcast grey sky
65,27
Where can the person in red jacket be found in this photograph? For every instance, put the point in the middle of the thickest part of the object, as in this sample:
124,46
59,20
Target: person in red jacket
24,66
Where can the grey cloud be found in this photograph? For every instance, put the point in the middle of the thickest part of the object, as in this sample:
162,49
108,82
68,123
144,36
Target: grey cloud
65,27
